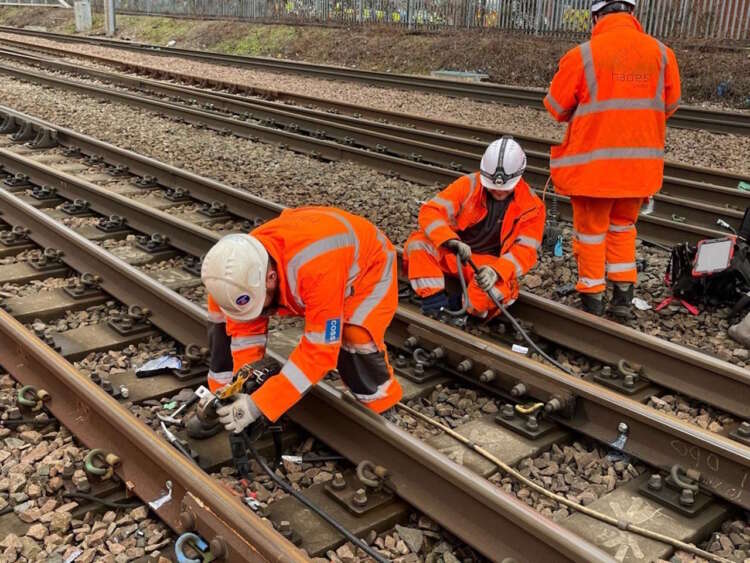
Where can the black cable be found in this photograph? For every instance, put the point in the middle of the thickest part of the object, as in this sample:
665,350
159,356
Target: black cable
511,318
103,502
288,489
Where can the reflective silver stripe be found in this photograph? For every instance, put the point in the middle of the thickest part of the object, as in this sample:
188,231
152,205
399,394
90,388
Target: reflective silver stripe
523,240
295,376
621,228
380,392
216,317
421,245
312,251
590,282
591,239
620,267
620,104
436,224
318,338
555,105
221,376
662,73
589,70
510,257
354,268
674,106
472,187
242,342
606,154
447,205
427,283
381,288
352,348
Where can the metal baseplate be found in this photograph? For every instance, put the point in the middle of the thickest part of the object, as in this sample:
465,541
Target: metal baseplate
669,495
527,425
355,496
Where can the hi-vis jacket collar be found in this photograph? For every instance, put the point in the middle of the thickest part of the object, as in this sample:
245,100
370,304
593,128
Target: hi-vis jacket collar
614,21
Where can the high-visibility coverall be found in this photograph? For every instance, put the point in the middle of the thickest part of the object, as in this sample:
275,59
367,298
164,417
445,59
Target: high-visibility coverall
459,207
616,91
338,271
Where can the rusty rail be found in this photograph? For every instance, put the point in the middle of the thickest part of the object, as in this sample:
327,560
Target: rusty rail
686,117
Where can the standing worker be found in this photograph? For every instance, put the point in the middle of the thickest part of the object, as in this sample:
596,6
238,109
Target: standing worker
335,269
616,92
490,216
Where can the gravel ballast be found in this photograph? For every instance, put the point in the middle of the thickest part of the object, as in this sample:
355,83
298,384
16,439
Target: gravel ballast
697,148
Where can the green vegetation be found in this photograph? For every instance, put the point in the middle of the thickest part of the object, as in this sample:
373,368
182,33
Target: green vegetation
258,40
155,30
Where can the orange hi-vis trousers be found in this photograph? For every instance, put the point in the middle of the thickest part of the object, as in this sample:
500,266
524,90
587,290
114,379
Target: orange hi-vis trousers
604,243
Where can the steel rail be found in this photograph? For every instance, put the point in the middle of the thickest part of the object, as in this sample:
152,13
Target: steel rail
653,228
462,152
686,117
477,509
695,374
654,437
99,421
681,180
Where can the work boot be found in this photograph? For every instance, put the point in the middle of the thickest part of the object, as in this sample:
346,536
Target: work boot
622,300
199,430
593,303
432,305
741,331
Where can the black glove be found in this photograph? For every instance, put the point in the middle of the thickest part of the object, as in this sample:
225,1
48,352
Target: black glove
462,249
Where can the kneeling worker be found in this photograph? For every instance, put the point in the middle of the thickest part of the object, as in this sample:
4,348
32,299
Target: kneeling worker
336,270
490,216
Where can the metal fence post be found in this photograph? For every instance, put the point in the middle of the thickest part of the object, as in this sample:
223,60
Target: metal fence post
109,17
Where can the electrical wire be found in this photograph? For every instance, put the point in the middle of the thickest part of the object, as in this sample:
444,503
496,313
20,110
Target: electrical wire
288,489
621,524
107,503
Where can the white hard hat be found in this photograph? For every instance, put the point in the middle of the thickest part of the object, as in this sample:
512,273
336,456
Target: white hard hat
598,5
234,273
503,164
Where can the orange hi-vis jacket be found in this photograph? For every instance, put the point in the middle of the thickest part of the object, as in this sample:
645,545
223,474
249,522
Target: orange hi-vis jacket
334,268
462,205
616,91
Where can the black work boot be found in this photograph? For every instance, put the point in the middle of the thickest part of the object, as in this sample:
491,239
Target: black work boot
622,298
432,306
593,303
199,430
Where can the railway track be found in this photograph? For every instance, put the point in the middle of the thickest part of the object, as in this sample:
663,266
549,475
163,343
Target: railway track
416,470
650,435
686,117
686,210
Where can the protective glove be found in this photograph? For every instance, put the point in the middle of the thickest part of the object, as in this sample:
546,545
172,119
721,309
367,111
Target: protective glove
461,248
486,278
239,414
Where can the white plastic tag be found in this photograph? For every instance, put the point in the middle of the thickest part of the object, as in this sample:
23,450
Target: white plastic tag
713,256
203,392
518,349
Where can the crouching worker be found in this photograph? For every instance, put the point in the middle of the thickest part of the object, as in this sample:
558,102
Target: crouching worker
490,216
336,270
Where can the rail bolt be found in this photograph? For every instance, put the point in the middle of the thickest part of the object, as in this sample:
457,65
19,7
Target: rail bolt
338,482
487,376
623,428
187,521
28,396
553,405
532,423
687,497
101,463
359,498
465,366
629,381
518,390
218,547
411,342
655,482
607,371
508,411
400,361
744,430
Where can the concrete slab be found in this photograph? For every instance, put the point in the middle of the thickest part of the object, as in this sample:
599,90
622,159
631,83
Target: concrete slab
155,200
79,342
6,251
40,203
51,304
92,233
626,503
175,278
319,536
59,214
137,257
501,442
153,387
22,272
126,187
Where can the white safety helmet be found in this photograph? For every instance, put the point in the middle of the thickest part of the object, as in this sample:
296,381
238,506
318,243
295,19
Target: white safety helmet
234,273
598,5
503,164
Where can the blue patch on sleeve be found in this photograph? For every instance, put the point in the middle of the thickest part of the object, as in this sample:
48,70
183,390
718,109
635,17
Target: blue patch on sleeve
333,330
